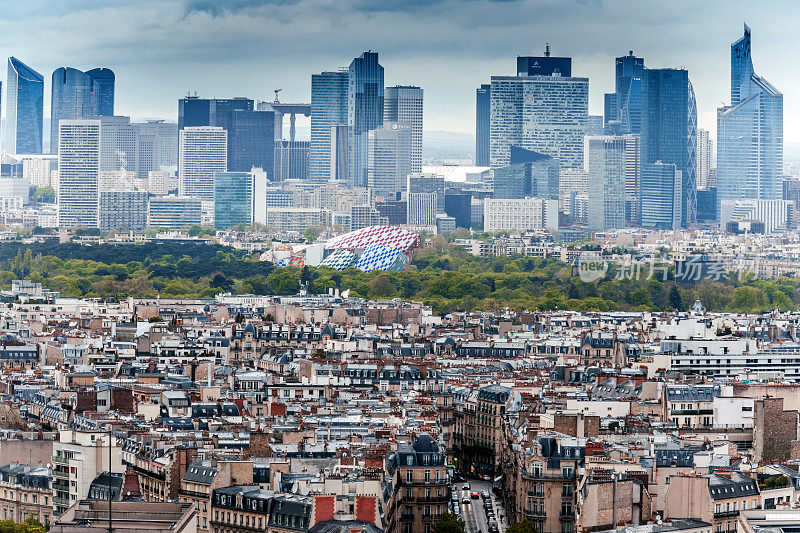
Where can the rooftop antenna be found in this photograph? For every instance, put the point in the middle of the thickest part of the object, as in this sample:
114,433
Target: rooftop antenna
276,95
546,49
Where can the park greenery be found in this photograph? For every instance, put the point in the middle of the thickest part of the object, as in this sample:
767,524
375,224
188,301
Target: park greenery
440,274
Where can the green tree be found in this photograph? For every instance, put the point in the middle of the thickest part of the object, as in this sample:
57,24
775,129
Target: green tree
312,233
449,523
674,300
526,526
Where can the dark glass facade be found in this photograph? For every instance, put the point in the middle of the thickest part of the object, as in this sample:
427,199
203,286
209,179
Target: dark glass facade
105,80
667,112
458,204
529,174
544,66
364,111
233,199
77,94
483,113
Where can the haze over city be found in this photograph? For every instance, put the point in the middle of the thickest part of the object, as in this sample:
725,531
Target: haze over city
161,50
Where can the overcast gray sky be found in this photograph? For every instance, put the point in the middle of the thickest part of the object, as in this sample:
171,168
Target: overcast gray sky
162,49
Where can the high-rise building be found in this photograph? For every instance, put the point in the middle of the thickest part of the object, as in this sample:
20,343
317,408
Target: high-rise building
544,113
78,94
233,199
78,172
328,112
156,147
403,104
105,80
389,156
117,144
458,204
705,151
661,196
428,183
609,161
623,107
669,130
528,174
203,151
749,133
24,109
251,134
421,209
291,160
365,102
483,113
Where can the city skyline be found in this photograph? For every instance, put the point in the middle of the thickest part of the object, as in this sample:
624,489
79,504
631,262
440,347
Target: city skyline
148,47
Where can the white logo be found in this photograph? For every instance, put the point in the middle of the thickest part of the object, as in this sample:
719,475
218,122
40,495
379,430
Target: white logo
591,267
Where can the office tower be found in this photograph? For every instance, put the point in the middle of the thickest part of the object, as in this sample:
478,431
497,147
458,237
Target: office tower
394,211
669,130
594,125
791,192
78,168
422,209
505,214
125,210
543,113
174,212
458,204
389,156
233,199
340,154
661,196
78,94
117,144
483,113
365,96
156,147
749,133
623,107
24,109
251,141
607,164
705,151
428,183
403,104
707,206
251,134
202,152
328,113
291,160
529,174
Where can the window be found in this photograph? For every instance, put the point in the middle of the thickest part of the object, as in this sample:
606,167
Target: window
566,508
427,476
409,476
566,490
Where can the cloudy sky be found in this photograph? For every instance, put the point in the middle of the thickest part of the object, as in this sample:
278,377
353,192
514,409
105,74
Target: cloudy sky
223,48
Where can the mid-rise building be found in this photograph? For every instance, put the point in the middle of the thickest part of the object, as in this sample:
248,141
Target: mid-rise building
519,214
203,152
528,174
156,147
27,492
483,113
233,199
612,165
291,160
123,210
174,212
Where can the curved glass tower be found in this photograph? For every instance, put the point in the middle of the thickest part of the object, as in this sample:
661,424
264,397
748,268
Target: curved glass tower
77,94
24,109
104,78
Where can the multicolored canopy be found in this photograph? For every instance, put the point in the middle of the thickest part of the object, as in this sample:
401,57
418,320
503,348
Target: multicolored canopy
389,236
381,257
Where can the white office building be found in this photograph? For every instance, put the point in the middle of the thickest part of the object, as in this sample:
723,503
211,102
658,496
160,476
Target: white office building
203,151
78,170
389,155
403,104
612,166
509,214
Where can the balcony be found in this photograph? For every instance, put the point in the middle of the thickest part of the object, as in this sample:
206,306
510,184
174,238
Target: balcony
61,501
440,499
535,514
566,516
60,485
60,460
726,514
407,516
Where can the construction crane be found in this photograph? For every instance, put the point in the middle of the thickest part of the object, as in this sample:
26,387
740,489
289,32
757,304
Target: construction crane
276,95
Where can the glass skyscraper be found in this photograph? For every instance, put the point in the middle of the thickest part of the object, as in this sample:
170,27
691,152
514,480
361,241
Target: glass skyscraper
482,117
403,104
328,111
661,196
365,104
669,131
609,165
623,107
77,94
105,79
24,109
529,174
749,133
233,199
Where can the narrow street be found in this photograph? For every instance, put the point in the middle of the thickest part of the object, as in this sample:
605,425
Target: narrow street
474,513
